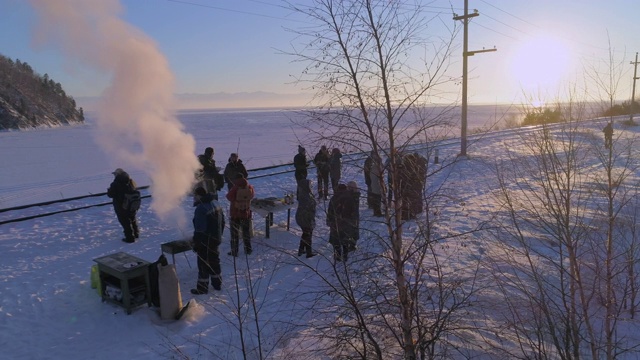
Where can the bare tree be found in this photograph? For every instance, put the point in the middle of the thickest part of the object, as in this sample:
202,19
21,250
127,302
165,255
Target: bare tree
375,72
569,239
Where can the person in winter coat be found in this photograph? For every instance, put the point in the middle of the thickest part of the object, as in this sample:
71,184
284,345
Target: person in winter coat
208,176
233,168
335,168
376,178
122,184
300,163
353,230
321,161
366,169
409,186
608,135
306,217
240,197
208,226
342,219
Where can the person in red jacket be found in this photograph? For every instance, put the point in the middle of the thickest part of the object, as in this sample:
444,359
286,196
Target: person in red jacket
240,197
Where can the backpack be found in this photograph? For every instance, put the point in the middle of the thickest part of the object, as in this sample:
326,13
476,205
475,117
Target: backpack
131,199
243,199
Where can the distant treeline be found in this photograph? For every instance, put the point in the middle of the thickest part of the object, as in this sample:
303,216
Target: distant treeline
539,116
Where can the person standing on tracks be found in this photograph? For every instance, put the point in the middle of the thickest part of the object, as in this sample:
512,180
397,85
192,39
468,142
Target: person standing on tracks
300,163
608,135
208,176
366,169
321,161
376,181
233,168
123,184
335,168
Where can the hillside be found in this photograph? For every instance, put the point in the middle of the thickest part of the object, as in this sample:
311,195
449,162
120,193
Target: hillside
29,100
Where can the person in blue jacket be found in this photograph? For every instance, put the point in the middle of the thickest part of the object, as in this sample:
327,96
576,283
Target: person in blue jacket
208,226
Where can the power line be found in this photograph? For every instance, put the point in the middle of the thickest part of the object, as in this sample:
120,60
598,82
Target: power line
496,31
510,14
234,11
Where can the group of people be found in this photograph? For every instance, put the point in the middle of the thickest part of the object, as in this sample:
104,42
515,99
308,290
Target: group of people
343,212
328,168
412,176
209,221
208,218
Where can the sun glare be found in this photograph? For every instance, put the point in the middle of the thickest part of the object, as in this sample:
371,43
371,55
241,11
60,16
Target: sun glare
540,63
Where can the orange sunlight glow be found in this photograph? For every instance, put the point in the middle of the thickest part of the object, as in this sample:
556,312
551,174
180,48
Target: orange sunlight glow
540,63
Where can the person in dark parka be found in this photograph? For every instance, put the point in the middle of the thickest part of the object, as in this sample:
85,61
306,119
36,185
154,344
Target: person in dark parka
376,178
321,161
306,217
335,168
208,226
342,219
353,229
233,168
412,182
300,163
608,135
122,184
208,175
366,169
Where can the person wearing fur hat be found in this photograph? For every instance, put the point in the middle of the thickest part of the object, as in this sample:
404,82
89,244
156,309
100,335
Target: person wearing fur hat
121,185
240,197
300,163
233,168
208,226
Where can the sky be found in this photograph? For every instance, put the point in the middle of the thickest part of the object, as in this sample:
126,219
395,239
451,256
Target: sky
48,309
232,46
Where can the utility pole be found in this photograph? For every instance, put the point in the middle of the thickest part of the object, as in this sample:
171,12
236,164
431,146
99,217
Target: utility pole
633,91
466,53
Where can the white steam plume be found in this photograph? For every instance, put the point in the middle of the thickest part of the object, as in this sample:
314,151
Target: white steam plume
136,121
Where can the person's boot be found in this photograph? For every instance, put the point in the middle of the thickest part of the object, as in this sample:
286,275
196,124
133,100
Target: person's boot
202,287
301,249
306,247
216,282
310,253
234,248
337,254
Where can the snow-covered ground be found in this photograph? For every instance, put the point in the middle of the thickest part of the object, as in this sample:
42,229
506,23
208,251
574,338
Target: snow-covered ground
48,309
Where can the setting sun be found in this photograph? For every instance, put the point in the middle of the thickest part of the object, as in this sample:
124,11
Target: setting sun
540,63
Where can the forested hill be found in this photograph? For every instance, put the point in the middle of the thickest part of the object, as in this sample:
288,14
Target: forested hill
29,100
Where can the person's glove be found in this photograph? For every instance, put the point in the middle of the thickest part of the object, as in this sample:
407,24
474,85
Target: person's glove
195,243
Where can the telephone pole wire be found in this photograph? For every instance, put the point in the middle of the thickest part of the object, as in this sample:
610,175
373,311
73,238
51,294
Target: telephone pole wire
466,53
633,91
